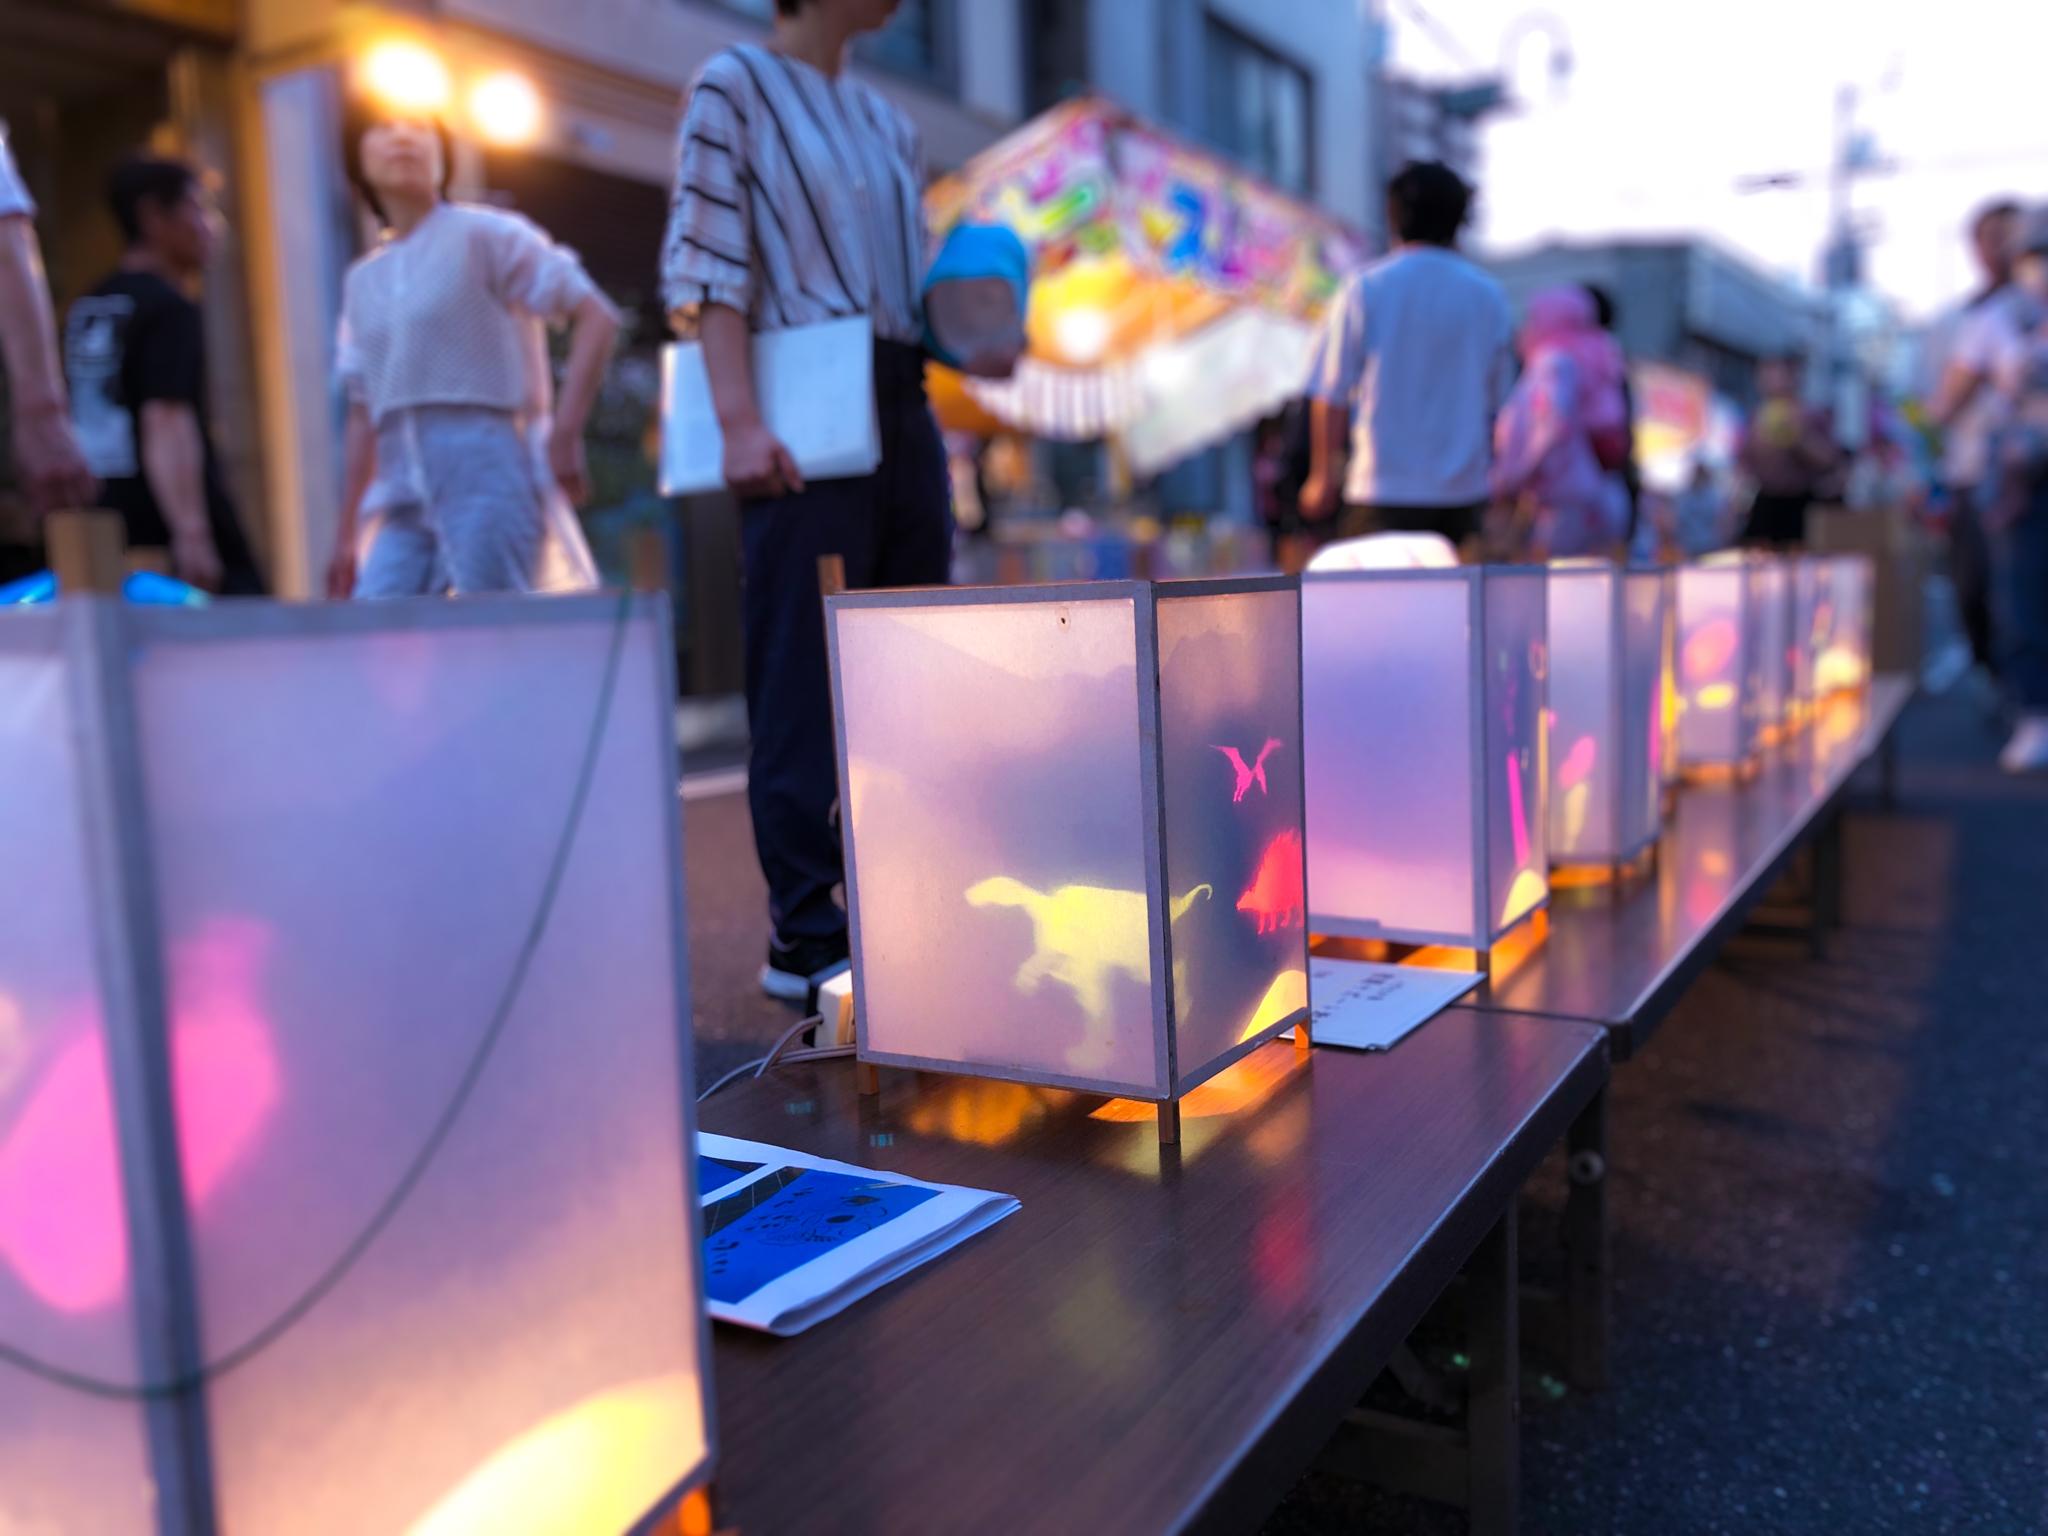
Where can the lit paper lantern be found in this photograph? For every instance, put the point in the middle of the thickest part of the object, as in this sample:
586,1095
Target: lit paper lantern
1606,680
1671,705
1423,692
1842,629
344,1069
1073,827
1776,699
1719,664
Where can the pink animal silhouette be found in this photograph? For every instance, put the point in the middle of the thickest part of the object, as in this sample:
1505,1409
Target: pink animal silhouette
1247,776
1275,899
61,1226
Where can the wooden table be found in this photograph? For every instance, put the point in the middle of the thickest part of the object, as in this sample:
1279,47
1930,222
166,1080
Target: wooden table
1162,1338
1623,957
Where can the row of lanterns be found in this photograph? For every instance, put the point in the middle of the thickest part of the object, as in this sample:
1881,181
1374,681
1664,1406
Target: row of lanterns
1090,828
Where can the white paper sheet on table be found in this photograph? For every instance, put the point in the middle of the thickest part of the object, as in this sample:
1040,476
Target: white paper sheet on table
789,1240
1368,1006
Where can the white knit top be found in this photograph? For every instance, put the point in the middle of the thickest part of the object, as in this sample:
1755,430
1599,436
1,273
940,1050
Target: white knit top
433,318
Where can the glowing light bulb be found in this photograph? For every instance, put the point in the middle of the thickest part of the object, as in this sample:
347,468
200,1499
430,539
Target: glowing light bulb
406,77
505,109
1082,334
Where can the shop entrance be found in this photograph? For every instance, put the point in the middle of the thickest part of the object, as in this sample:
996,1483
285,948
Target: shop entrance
81,86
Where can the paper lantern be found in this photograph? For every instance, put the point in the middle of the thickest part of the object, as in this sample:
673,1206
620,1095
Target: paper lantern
1776,699
344,1071
1719,665
1073,823
1842,622
1671,703
1606,678
1423,691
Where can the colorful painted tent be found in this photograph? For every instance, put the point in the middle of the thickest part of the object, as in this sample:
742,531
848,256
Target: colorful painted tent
1173,297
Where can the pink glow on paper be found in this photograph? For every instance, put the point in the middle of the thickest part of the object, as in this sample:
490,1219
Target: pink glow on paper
1276,899
1708,648
61,1217
1518,818
1578,762
1247,776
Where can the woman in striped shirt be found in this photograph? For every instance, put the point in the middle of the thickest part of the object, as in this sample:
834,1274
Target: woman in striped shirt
799,199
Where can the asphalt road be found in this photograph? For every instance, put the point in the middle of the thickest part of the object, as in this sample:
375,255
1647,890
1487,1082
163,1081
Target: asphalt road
1830,1196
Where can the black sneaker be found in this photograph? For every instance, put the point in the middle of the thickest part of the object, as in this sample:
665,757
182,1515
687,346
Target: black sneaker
796,966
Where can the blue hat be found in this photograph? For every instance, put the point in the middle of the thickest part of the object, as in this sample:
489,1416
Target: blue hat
973,251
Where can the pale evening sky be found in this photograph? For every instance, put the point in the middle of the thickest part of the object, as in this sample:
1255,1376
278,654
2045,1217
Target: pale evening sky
1668,104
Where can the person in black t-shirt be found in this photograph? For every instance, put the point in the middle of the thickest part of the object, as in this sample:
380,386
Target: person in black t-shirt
135,351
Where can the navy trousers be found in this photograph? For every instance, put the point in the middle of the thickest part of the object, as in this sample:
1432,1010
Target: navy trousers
2020,599
893,528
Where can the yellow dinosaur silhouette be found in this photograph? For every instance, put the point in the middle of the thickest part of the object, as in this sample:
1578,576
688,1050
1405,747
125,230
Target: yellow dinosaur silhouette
1080,934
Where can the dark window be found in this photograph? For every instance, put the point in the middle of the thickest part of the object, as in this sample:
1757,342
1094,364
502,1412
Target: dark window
918,41
1055,52
1258,107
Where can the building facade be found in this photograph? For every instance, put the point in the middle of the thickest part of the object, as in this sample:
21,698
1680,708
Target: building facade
250,89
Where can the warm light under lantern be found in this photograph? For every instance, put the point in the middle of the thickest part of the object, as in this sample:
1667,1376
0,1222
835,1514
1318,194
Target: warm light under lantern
1424,695
344,1068
407,77
1073,827
1719,661
1776,695
1606,717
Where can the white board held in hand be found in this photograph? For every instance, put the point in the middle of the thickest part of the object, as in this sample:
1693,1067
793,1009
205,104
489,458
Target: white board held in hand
816,388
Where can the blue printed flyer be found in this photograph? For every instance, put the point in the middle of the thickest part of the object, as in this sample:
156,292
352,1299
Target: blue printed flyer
789,1240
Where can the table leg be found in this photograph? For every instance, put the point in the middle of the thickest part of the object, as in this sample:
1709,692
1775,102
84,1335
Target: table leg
1588,1253
1493,1403
1827,882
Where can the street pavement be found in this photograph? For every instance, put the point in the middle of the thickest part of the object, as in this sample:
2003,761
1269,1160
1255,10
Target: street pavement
1831,1217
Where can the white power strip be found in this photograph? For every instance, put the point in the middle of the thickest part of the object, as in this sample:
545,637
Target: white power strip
835,1007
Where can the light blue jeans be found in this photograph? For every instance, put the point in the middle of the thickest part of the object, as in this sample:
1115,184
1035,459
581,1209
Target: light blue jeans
456,507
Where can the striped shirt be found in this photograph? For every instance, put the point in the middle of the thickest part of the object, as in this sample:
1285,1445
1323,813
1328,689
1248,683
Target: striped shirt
797,199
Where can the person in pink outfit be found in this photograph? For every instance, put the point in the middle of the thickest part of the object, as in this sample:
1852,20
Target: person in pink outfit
1563,432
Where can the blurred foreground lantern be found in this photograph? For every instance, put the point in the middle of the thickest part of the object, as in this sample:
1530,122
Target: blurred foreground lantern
1073,827
1423,691
1719,662
1670,704
1606,712
1777,700
1841,621
345,1124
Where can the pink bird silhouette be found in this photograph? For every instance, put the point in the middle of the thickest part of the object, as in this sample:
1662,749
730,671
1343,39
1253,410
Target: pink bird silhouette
1246,776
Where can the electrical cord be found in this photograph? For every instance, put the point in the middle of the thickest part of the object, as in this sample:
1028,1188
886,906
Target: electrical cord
761,1064
332,1276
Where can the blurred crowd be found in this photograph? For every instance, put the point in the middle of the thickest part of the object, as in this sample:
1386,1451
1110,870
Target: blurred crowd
1431,410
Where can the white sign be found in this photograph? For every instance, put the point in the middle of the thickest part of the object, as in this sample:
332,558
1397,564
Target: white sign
1369,1006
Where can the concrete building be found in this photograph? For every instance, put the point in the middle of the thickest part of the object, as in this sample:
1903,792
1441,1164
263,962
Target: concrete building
249,89
1684,302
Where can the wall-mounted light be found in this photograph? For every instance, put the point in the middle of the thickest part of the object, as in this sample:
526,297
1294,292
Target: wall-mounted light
505,109
406,76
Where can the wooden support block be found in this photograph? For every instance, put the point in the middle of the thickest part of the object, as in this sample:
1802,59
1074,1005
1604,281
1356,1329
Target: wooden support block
85,550
1169,1123
831,575
1301,1039
867,1078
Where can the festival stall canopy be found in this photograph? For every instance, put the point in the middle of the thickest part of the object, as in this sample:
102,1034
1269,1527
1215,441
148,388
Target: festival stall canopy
1173,297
